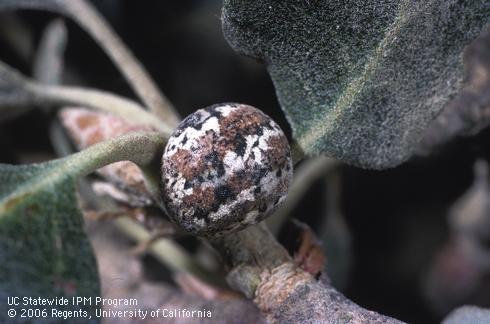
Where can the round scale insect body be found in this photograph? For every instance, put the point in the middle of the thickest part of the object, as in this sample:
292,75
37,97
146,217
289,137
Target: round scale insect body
225,167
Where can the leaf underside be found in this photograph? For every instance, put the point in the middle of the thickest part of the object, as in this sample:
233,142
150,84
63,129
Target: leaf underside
359,81
43,248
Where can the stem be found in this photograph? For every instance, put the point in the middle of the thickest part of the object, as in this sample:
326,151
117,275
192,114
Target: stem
164,250
297,154
306,174
16,91
261,268
249,253
48,62
89,19
101,100
141,148
134,72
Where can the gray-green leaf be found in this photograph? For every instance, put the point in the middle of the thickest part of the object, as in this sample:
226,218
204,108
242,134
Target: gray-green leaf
359,80
43,249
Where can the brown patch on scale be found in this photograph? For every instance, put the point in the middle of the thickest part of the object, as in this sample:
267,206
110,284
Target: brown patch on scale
239,182
183,162
205,143
242,120
277,148
204,198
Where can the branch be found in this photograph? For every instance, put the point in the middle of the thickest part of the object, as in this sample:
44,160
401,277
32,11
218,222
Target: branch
306,174
48,62
262,269
122,276
18,91
166,251
90,20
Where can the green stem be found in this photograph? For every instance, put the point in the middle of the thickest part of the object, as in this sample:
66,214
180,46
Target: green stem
164,250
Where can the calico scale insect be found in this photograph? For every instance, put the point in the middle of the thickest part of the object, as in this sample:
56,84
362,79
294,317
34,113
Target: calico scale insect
225,167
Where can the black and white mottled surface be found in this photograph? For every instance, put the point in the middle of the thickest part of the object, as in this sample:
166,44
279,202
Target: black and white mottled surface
225,167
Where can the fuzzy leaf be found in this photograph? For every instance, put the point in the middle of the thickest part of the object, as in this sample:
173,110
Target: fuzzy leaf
43,249
359,80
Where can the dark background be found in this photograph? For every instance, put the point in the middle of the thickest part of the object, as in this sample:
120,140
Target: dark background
397,217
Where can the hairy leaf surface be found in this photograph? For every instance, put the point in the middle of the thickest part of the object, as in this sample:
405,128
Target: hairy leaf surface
43,248
358,80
